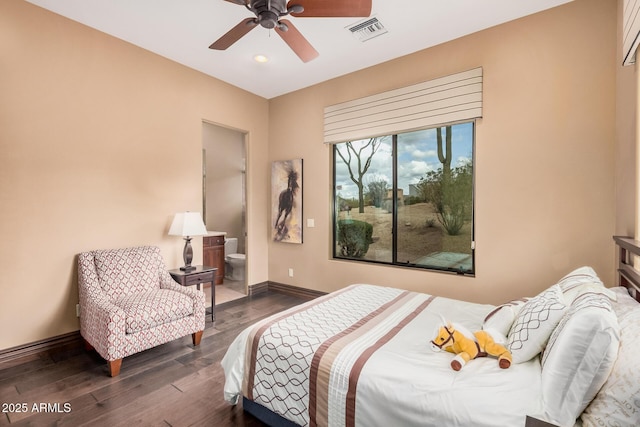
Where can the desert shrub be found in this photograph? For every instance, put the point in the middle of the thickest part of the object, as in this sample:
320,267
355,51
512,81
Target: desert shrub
451,195
412,200
354,237
452,222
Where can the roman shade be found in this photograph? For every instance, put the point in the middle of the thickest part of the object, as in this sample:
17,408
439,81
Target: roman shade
630,31
454,98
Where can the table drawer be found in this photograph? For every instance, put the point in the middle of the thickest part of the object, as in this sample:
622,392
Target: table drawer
208,241
195,279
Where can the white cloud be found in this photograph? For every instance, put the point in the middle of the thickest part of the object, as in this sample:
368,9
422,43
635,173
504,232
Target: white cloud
463,160
422,154
411,172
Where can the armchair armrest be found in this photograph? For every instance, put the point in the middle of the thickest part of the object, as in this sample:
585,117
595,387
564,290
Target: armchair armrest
101,322
167,282
199,309
99,318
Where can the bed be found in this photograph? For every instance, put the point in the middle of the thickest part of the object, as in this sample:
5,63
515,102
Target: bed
361,356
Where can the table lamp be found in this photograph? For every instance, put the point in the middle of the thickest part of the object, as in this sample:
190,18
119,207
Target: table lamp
187,225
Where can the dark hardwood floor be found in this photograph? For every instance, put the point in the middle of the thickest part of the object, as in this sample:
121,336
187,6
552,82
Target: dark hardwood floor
174,384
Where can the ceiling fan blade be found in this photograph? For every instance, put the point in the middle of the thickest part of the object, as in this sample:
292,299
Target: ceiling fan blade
242,2
332,8
297,42
234,34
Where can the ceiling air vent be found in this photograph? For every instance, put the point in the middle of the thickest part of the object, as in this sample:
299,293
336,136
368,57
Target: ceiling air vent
367,29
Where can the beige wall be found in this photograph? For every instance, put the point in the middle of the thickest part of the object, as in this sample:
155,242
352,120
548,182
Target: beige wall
625,153
544,156
100,143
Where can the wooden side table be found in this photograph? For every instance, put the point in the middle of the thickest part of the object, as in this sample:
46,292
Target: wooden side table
202,274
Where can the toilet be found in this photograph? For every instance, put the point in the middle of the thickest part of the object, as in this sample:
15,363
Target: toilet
234,262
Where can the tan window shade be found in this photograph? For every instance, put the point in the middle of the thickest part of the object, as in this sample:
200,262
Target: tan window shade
447,99
630,31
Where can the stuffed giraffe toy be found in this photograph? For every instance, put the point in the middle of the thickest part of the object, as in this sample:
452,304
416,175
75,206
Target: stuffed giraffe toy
466,346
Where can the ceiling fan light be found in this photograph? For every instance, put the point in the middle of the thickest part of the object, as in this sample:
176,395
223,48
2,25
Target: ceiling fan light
295,8
282,26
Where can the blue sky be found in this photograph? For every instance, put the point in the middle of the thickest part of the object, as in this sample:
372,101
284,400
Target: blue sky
417,154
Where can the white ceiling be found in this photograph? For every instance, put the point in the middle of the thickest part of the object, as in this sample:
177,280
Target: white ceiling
182,31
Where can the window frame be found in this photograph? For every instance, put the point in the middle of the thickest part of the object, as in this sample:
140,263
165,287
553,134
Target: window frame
394,248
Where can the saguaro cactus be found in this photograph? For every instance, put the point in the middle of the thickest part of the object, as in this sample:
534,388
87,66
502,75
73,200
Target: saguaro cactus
445,158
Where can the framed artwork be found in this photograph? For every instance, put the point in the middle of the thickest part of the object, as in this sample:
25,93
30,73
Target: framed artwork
286,201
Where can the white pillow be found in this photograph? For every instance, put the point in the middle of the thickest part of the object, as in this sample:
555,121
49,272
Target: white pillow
581,280
534,323
618,402
503,316
590,288
625,303
579,357
580,275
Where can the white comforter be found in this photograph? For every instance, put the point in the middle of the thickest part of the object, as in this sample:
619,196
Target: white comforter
381,370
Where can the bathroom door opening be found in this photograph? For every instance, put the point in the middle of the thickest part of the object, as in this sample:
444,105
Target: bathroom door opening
224,202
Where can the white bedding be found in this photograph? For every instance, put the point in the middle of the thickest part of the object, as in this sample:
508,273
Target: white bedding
388,373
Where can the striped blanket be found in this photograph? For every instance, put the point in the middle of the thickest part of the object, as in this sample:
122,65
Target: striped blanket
360,357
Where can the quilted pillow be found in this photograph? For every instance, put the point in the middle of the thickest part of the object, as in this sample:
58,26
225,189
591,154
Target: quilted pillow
534,323
503,316
579,357
618,402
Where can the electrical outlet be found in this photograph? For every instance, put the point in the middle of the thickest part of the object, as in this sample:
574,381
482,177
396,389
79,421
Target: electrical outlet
77,310
291,272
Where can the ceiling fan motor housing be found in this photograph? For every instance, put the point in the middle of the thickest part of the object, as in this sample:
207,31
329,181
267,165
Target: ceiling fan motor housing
269,11
268,19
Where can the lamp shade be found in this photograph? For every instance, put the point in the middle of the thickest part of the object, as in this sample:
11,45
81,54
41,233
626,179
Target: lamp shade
187,224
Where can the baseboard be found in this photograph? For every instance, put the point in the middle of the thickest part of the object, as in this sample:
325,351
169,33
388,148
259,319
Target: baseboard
294,290
38,348
258,288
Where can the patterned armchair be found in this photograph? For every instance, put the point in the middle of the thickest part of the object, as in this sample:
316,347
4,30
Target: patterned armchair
129,303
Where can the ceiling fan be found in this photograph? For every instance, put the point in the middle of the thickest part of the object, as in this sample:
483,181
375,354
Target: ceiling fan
269,12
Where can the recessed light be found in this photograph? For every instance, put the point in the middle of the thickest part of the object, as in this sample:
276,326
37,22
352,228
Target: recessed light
260,58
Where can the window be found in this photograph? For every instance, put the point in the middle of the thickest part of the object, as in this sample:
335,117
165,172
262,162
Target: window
407,199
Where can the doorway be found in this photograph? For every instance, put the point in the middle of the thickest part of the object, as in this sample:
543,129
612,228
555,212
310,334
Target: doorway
224,201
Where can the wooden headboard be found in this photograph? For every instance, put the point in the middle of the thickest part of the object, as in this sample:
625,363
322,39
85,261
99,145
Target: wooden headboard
628,274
